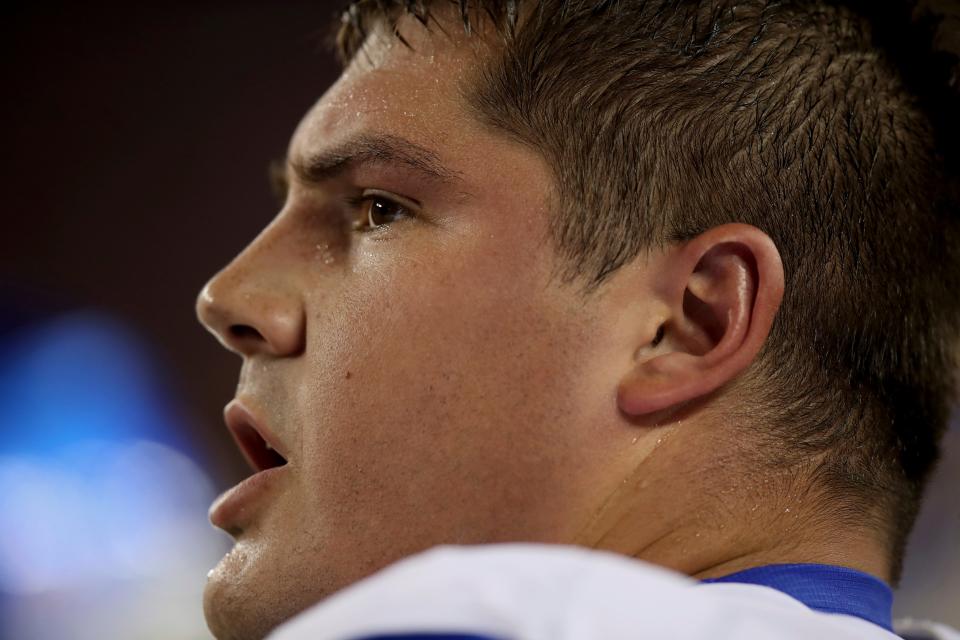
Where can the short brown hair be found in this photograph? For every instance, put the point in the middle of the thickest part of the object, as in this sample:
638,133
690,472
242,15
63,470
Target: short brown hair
662,119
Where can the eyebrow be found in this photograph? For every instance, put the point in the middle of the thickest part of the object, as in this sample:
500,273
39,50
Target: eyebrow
326,165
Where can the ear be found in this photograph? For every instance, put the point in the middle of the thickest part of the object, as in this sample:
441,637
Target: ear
721,291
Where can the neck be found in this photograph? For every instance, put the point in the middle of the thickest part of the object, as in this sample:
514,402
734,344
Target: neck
721,548
706,519
696,537
848,551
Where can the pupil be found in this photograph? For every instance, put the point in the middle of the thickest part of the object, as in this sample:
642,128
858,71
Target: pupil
380,207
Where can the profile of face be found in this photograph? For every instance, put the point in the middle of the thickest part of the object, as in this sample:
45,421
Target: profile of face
418,370
407,349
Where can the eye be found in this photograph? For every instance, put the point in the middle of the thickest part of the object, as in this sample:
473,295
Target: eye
379,211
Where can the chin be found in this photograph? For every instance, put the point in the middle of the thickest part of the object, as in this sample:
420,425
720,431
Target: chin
241,604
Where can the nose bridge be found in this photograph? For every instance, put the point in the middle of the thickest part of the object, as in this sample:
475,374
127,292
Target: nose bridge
253,305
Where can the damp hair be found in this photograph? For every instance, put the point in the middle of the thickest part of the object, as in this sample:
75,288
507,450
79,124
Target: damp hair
825,124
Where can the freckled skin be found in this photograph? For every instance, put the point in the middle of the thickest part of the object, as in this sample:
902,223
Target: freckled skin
439,394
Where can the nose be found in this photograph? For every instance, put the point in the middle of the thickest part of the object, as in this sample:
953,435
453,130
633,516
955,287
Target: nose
249,315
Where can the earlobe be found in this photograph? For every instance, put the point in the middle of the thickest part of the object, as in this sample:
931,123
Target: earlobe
723,289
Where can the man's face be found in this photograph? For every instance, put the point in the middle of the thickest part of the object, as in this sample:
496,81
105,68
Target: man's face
427,381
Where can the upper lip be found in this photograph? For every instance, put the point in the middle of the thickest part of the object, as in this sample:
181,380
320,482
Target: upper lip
259,445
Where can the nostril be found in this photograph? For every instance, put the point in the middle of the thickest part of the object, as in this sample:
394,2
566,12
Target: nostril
242,331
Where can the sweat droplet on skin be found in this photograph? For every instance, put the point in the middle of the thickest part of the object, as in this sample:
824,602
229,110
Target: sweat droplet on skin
325,254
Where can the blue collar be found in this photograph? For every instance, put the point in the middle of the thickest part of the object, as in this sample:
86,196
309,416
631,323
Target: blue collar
826,588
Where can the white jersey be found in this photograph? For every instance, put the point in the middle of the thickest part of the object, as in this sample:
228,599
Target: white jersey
553,592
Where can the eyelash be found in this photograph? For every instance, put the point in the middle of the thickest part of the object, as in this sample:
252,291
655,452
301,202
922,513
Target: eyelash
364,226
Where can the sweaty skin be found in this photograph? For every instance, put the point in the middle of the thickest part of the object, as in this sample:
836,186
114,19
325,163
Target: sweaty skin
426,378
430,382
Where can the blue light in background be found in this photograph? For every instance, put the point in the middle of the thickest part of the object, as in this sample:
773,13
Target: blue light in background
103,528
75,377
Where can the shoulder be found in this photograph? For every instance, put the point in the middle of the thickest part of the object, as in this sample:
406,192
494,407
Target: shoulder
534,592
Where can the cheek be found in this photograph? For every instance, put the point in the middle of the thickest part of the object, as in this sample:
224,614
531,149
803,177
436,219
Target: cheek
438,395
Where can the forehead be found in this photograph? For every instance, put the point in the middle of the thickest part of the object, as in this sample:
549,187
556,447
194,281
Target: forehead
411,92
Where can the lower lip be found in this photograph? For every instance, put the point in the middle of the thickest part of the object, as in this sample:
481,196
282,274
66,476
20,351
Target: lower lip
230,509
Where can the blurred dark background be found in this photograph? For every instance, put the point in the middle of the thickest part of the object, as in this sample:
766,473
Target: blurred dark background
136,144
137,139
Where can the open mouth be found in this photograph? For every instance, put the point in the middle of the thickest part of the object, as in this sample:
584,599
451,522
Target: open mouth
257,444
235,508
256,450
